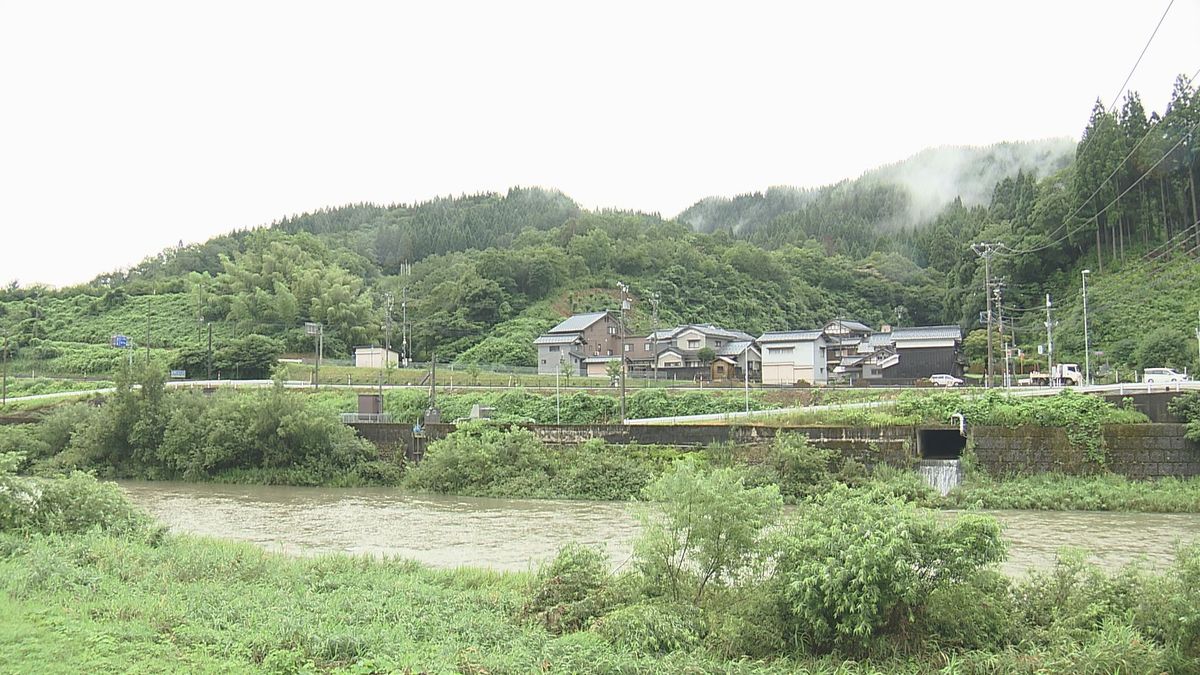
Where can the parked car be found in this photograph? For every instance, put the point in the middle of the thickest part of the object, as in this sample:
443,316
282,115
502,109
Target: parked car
1156,375
944,380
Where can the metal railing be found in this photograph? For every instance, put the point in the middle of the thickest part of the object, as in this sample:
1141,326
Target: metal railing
366,418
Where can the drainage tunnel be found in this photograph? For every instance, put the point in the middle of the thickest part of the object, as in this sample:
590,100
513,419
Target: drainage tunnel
940,443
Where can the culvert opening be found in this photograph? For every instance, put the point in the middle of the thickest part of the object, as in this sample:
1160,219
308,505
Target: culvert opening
940,443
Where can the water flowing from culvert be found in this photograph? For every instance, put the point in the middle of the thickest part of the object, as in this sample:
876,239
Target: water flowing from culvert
516,534
942,474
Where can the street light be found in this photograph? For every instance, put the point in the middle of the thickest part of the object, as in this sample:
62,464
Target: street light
1087,355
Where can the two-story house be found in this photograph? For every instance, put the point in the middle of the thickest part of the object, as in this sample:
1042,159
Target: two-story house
580,343
790,357
674,353
902,355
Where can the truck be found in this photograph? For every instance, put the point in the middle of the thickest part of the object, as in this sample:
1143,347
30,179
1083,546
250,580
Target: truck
1063,374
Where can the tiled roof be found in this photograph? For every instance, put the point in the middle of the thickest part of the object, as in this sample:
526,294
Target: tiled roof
550,339
880,339
852,325
792,336
578,322
734,348
926,333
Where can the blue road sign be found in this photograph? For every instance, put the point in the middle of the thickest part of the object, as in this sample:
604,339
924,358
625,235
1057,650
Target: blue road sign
120,341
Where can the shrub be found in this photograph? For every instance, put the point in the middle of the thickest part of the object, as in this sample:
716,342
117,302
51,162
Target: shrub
979,613
564,594
597,470
705,527
483,460
647,628
1187,408
800,468
854,566
73,504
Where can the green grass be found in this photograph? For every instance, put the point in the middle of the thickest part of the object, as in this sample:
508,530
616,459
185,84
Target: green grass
1057,492
32,386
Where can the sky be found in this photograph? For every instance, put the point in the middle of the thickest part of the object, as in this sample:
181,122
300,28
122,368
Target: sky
127,127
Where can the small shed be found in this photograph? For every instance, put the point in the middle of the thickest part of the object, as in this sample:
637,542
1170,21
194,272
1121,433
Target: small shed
375,357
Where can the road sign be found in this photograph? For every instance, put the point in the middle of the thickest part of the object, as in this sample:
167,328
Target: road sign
120,341
178,374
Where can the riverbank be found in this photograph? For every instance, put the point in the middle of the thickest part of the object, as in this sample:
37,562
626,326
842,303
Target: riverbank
107,591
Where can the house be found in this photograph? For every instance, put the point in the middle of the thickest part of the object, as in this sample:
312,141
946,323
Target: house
674,353
844,336
927,350
791,357
577,339
902,355
375,357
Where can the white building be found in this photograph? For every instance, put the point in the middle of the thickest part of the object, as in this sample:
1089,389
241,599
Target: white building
373,357
789,357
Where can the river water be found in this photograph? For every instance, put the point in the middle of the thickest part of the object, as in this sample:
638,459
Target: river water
516,534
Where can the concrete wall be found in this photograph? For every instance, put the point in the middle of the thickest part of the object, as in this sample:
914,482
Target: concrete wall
1135,450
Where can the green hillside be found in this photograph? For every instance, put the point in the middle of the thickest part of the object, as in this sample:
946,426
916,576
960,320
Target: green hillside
483,274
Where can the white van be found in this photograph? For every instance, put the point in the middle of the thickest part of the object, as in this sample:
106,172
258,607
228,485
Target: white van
1157,375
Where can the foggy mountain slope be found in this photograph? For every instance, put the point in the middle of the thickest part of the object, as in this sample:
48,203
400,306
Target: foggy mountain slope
928,181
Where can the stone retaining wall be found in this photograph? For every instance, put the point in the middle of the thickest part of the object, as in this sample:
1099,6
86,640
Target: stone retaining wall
1136,451
1133,450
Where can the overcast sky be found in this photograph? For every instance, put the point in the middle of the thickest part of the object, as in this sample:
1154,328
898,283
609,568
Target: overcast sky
127,127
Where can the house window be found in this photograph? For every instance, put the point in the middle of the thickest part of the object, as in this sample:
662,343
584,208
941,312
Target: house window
647,346
693,344
612,330
780,351
628,348
718,343
554,348
543,362
610,352
672,364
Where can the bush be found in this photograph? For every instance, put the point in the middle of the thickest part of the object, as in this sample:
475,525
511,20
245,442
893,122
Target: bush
597,470
647,628
979,613
799,468
482,460
855,566
705,527
564,595
1187,408
69,505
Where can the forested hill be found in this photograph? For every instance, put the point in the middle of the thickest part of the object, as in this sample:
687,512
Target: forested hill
904,194
489,272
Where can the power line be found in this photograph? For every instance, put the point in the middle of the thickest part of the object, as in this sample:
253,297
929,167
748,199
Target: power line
1139,58
1183,137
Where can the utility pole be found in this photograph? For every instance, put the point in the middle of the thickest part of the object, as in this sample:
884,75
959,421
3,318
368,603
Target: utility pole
558,393
624,306
1087,352
209,350
998,291
405,271
1049,343
986,250
148,330
4,386
316,330
654,330
387,345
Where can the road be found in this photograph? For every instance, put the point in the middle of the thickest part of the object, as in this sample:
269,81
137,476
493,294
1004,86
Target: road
1125,388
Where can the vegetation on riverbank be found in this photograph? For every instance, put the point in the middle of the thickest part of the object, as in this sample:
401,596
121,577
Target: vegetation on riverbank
721,581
